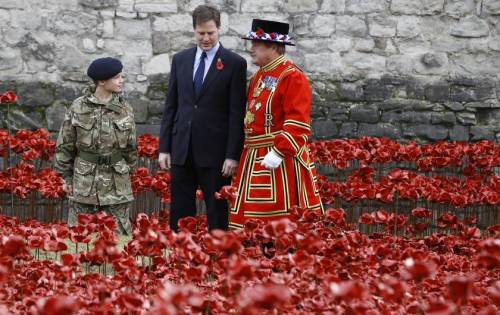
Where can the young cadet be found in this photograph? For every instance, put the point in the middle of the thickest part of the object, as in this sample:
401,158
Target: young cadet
96,147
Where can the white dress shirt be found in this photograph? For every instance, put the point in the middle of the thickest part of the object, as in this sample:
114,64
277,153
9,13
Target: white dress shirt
208,60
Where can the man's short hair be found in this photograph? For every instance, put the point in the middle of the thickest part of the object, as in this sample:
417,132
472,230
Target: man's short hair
205,13
280,49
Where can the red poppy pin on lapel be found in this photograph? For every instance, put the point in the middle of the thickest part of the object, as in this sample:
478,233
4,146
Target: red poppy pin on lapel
219,64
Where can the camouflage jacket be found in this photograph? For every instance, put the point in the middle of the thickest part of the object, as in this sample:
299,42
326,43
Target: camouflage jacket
96,129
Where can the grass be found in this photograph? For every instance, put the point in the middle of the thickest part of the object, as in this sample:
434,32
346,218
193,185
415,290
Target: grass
72,249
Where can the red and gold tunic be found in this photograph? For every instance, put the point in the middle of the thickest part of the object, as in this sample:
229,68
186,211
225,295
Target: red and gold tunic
278,119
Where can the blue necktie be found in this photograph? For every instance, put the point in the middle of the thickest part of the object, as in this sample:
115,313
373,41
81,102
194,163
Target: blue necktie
198,76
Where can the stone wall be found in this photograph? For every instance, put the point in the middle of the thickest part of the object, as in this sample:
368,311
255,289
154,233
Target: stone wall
406,69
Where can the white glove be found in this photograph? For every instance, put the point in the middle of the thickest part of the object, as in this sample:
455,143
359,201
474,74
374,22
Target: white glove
271,160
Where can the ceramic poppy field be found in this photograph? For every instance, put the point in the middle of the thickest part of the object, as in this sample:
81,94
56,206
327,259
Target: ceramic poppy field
306,265
408,262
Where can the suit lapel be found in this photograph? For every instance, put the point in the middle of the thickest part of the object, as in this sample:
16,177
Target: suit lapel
212,71
188,72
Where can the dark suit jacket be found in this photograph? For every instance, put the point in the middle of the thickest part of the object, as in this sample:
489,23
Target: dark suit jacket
213,121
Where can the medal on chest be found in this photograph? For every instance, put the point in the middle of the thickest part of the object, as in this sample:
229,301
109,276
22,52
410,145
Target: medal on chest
249,117
258,88
270,83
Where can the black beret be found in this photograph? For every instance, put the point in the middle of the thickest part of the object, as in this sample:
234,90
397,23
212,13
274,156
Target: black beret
104,68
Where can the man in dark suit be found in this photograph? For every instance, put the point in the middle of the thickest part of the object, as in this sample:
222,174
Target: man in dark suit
201,135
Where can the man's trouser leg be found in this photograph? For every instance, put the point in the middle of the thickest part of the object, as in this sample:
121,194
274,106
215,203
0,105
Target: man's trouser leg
211,181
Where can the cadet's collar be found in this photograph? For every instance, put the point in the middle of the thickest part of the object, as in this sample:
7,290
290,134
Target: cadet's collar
273,64
114,104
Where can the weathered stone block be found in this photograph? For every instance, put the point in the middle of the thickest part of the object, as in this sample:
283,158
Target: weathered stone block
157,64
364,61
11,60
466,119
156,107
258,6
300,24
313,45
318,110
161,43
484,92
299,6
432,132
39,45
408,26
9,4
416,117
365,6
454,106
483,104
157,89
418,7
333,6
140,105
179,23
364,114
20,120
374,91
155,6
491,6
323,63
438,92
351,26
35,93
340,44
322,25
98,4
459,133
351,91
324,93
348,130
324,129
364,45
337,109
432,63
418,105
458,8
445,118
393,104
462,94
67,93
379,130
471,26
73,23
494,43
55,116
133,29
401,64
88,45
382,26
392,116
482,133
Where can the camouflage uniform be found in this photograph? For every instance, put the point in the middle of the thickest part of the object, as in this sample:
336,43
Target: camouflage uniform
96,152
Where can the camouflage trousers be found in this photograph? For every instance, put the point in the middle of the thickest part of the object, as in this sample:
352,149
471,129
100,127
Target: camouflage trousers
119,211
